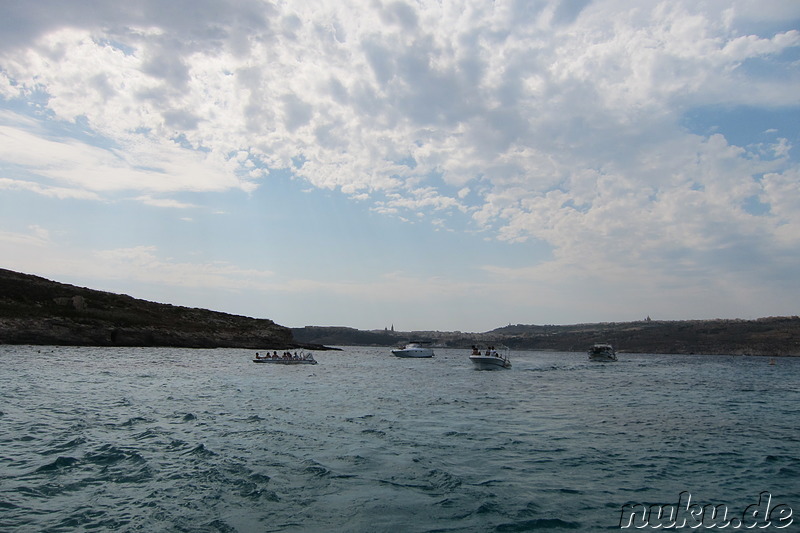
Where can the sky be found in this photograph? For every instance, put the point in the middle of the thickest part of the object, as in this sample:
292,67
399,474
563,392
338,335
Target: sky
416,164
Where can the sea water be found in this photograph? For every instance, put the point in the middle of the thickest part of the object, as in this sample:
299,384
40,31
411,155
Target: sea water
157,439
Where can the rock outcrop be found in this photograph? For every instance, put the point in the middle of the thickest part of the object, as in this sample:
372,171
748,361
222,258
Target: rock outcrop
34,310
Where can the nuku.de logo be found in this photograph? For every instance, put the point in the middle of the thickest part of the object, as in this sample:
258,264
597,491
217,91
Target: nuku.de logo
684,513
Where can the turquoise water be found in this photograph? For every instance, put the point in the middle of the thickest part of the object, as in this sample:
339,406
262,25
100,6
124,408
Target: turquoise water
142,439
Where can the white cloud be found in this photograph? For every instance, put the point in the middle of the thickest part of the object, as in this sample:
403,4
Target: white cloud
782,193
143,264
549,121
37,237
158,165
164,202
55,192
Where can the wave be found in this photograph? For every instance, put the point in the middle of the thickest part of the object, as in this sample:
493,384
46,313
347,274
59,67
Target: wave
60,448
108,455
364,446
135,421
200,451
59,464
537,524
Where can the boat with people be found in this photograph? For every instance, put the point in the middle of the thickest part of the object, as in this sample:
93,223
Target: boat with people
287,358
414,349
491,359
602,352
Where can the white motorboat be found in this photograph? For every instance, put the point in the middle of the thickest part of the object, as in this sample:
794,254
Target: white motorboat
602,352
414,349
489,360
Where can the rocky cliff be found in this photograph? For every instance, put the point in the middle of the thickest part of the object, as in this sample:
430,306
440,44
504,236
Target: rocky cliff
35,310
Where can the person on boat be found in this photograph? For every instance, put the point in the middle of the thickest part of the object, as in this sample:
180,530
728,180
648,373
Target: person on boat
275,354
475,350
258,356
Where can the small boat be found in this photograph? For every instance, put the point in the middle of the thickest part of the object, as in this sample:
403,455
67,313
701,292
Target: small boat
489,360
414,349
286,359
602,352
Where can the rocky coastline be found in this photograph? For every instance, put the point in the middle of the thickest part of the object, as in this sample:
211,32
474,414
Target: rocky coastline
771,336
38,311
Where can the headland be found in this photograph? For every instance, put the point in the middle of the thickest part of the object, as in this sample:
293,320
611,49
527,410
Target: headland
35,310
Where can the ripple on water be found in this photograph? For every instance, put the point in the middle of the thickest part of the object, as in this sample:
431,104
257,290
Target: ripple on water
59,464
546,524
136,420
63,447
367,443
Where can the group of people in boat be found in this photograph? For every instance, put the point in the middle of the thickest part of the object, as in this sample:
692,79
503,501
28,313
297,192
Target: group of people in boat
287,356
490,351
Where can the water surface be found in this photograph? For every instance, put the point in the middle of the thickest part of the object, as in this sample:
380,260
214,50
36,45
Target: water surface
142,439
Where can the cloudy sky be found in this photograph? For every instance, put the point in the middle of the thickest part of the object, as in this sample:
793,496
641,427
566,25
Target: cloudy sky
426,164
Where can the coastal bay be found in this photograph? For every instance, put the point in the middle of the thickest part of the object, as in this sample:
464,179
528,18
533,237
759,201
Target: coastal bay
34,310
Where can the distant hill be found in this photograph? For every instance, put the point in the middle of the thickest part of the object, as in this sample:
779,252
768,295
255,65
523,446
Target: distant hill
343,336
764,336
35,310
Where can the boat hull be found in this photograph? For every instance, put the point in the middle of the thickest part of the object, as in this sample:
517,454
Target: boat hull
602,358
602,353
413,352
488,362
287,361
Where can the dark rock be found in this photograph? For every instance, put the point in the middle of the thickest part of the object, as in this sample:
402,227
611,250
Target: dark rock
34,310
